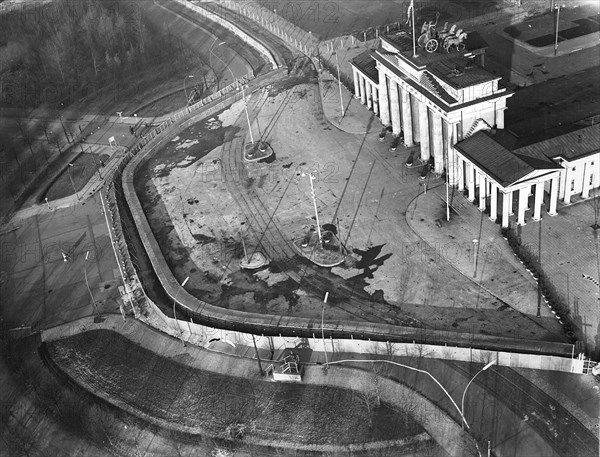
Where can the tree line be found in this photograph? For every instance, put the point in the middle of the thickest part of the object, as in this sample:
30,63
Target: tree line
59,52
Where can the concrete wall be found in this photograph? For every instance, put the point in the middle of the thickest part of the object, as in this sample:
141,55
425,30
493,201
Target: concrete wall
202,335
233,28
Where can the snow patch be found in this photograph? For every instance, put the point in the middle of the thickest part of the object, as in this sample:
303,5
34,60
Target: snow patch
229,116
188,160
270,278
187,144
175,139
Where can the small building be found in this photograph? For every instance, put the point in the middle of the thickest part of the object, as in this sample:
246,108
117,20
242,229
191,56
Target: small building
288,369
490,165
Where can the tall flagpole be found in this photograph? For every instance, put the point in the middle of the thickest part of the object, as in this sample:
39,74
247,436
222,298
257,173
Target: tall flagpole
447,189
451,145
412,11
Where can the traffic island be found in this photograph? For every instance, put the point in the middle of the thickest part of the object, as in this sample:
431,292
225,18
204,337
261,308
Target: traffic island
325,252
253,152
253,262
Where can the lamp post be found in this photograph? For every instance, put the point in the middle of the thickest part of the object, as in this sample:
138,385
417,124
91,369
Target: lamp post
557,7
87,283
93,158
63,125
464,421
187,100
311,177
221,60
413,369
462,402
475,252
322,327
72,183
247,116
174,312
337,64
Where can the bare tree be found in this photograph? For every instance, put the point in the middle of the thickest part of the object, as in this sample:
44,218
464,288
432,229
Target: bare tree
175,440
55,139
448,353
417,351
370,394
20,441
101,426
486,357
595,204
368,399
27,139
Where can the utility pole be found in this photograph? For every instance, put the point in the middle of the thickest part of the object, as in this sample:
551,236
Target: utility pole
247,116
175,313
557,25
311,177
262,373
322,327
72,183
337,63
88,284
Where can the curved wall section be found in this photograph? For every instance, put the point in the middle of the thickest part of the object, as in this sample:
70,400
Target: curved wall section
274,325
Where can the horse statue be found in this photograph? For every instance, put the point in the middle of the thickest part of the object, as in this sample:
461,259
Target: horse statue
456,40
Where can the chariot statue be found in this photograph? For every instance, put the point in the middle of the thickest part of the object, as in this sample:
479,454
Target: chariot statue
449,39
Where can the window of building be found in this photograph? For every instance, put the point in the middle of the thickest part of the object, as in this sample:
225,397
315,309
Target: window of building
572,185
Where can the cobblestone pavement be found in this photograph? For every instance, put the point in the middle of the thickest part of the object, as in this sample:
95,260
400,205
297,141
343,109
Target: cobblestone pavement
570,249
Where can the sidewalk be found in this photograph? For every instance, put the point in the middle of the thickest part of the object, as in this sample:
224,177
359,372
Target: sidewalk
443,429
356,119
489,262
416,392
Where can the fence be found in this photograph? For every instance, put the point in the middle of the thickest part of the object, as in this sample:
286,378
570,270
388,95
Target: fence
308,44
231,27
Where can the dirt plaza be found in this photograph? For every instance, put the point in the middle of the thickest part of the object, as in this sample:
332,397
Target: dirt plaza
191,192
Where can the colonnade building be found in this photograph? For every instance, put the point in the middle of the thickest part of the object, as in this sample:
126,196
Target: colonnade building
435,99
453,108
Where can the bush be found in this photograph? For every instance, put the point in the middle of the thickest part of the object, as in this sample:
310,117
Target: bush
530,261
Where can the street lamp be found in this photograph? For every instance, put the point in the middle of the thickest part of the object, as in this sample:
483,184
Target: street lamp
311,177
475,252
211,53
174,312
464,421
87,283
557,7
187,100
462,403
409,368
72,183
322,327
337,63
247,116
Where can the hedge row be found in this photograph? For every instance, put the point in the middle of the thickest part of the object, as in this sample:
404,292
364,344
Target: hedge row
551,296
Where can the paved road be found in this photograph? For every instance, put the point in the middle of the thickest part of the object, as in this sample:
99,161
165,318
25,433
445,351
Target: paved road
38,288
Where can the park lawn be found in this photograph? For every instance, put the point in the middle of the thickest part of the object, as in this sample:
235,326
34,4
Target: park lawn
106,362
74,178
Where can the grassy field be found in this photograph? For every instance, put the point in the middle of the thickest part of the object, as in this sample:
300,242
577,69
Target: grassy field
109,363
76,177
